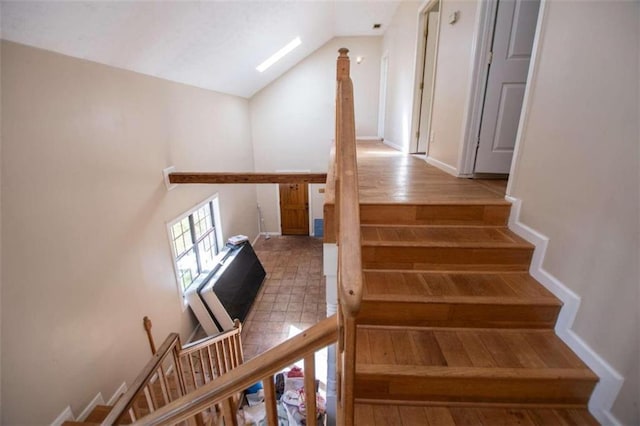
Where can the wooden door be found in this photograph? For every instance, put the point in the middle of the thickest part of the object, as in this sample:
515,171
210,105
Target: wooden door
513,39
294,208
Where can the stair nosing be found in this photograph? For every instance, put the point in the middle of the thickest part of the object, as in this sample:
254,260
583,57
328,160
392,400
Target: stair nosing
478,300
408,370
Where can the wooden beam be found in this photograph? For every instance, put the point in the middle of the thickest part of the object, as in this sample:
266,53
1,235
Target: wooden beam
194,177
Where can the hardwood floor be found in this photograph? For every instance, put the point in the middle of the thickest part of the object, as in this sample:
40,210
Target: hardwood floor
452,328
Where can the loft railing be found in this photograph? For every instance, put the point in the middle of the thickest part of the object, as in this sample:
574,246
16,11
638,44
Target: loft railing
175,371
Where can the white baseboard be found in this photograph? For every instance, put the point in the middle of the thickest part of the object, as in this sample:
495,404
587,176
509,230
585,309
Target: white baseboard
121,389
368,138
393,145
97,400
442,166
66,415
607,389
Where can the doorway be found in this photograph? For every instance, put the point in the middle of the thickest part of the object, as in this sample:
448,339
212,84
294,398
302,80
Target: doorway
294,208
431,20
512,32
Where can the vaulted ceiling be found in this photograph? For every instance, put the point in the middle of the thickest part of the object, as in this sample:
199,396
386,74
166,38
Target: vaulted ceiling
214,45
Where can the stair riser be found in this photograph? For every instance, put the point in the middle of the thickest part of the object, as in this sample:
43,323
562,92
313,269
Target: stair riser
485,390
447,258
381,214
457,315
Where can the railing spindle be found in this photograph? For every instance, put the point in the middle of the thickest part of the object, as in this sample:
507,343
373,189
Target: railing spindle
310,388
270,400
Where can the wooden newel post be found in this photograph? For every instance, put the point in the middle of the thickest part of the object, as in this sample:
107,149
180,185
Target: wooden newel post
343,64
147,327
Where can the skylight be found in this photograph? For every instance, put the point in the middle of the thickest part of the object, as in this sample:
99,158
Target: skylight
279,54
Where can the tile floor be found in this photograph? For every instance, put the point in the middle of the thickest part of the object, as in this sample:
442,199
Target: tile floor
292,297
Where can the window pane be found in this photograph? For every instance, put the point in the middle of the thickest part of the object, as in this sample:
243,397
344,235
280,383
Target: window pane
207,251
202,220
187,269
181,236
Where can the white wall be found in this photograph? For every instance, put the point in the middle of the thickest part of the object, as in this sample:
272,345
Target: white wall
399,42
452,80
293,118
84,211
577,173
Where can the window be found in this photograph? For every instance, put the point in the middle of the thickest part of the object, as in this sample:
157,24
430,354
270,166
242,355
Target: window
196,242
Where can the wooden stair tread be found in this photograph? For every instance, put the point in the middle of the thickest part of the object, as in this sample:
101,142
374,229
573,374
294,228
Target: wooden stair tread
455,415
491,213
98,414
464,365
441,236
456,299
455,287
480,349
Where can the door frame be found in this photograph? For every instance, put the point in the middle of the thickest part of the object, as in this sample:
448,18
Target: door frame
480,72
486,23
382,98
309,197
421,44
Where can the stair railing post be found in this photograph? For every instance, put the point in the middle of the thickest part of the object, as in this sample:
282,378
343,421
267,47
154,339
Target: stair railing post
147,327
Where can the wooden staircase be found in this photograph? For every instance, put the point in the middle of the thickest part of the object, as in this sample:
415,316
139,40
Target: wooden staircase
453,330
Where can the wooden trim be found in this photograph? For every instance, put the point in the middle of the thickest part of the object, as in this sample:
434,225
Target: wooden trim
309,341
209,178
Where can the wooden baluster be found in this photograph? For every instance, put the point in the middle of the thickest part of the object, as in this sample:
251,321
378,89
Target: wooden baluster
232,352
147,327
193,371
182,386
225,356
270,400
149,398
339,367
310,388
229,412
349,369
202,372
219,360
238,341
164,386
211,366
207,375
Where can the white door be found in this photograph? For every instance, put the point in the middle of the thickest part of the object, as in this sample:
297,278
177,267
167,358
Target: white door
427,81
512,42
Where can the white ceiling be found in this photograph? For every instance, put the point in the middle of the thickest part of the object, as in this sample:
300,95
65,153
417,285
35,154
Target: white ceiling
213,44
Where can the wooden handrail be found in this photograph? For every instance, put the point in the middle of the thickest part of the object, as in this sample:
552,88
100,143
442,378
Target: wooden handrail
171,342
308,342
208,341
347,228
249,177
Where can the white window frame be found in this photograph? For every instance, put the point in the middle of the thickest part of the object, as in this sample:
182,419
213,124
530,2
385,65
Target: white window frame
217,225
